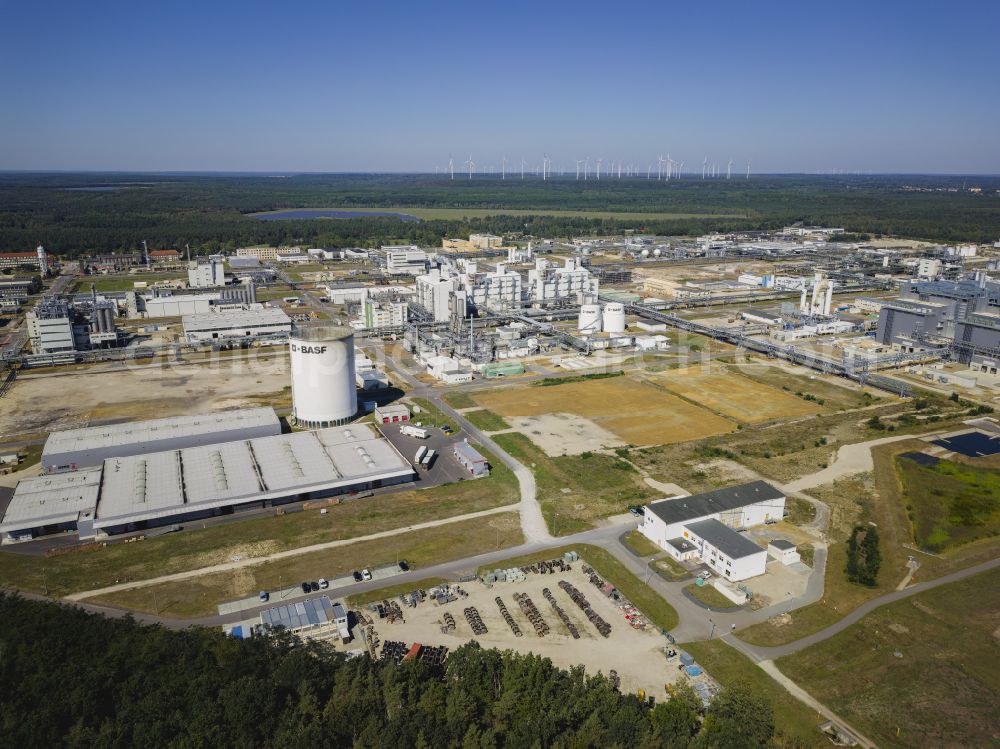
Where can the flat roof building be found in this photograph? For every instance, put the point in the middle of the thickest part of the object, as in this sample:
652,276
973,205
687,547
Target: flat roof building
706,526
141,491
471,460
73,449
242,323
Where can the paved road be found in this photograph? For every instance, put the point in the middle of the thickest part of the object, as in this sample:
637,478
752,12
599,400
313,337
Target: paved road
298,551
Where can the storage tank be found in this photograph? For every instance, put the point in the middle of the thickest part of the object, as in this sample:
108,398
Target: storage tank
657,252
323,384
590,319
614,317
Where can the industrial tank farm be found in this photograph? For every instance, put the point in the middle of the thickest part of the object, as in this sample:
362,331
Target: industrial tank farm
323,384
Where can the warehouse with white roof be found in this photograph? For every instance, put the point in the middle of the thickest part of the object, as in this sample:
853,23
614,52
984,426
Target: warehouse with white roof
136,492
73,449
240,323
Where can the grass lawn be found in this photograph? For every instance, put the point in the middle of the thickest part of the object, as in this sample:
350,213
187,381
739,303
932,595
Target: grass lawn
792,719
431,415
201,595
784,452
943,689
641,545
122,283
596,485
459,400
709,596
486,420
876,498
195,548
950,503
670,569
652,605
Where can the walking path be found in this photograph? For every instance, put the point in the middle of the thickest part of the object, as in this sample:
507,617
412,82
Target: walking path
803,696
851,459
228,566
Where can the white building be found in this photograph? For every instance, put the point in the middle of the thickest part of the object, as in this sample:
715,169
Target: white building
407,260
51,329
929,268
205,273
704,526
572,280
434,292
500,289
384,313
784,551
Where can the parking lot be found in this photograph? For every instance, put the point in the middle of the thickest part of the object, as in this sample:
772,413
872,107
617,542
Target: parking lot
444,470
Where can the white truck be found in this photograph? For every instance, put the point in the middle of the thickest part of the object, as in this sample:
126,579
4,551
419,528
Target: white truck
428,459
411,431
421,452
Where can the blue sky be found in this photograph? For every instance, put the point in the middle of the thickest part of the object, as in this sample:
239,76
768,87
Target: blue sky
336,86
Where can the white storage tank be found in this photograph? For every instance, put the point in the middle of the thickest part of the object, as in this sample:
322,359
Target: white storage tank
589,321
323,382
614,317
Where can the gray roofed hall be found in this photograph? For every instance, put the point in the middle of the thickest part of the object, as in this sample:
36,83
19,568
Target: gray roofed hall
725,539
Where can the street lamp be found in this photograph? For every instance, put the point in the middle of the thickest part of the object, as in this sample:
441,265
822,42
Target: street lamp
713,629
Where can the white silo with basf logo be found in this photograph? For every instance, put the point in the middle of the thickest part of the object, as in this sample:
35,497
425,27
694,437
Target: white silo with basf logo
323,380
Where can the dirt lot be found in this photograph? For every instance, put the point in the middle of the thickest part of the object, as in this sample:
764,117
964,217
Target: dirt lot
565,434
735,396
64,401
636,655
639,412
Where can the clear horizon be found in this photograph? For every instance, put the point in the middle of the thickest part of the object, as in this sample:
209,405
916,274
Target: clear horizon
898,89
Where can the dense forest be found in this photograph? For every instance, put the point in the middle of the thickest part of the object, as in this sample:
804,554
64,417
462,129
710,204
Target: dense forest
80,213
75,679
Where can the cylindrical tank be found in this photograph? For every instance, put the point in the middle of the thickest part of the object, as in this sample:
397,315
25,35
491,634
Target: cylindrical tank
323,385
657,252
614,317
589,321
644,253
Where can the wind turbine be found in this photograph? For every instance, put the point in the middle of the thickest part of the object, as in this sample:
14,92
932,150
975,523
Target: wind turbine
729,169
599,169
503,168
472,165
586,167
619,168
659,167
451,166
704,167
578,162
748,169
649,171
680,170
522,169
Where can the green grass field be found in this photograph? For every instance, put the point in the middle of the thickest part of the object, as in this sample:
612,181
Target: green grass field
950,504
793,721
459,400
459,213
486,420
641,545
121,282
928,666
650,603
199,596
597,485
709,596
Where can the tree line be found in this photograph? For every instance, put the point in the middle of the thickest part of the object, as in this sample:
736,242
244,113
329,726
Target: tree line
210,212
76,679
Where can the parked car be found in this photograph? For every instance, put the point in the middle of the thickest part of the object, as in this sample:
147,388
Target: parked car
404,565
635,511
314,586
705,575
323,583
305,587
263,596
357,576
366,573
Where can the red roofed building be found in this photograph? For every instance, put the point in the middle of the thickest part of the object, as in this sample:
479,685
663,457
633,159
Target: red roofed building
14,259
164,256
